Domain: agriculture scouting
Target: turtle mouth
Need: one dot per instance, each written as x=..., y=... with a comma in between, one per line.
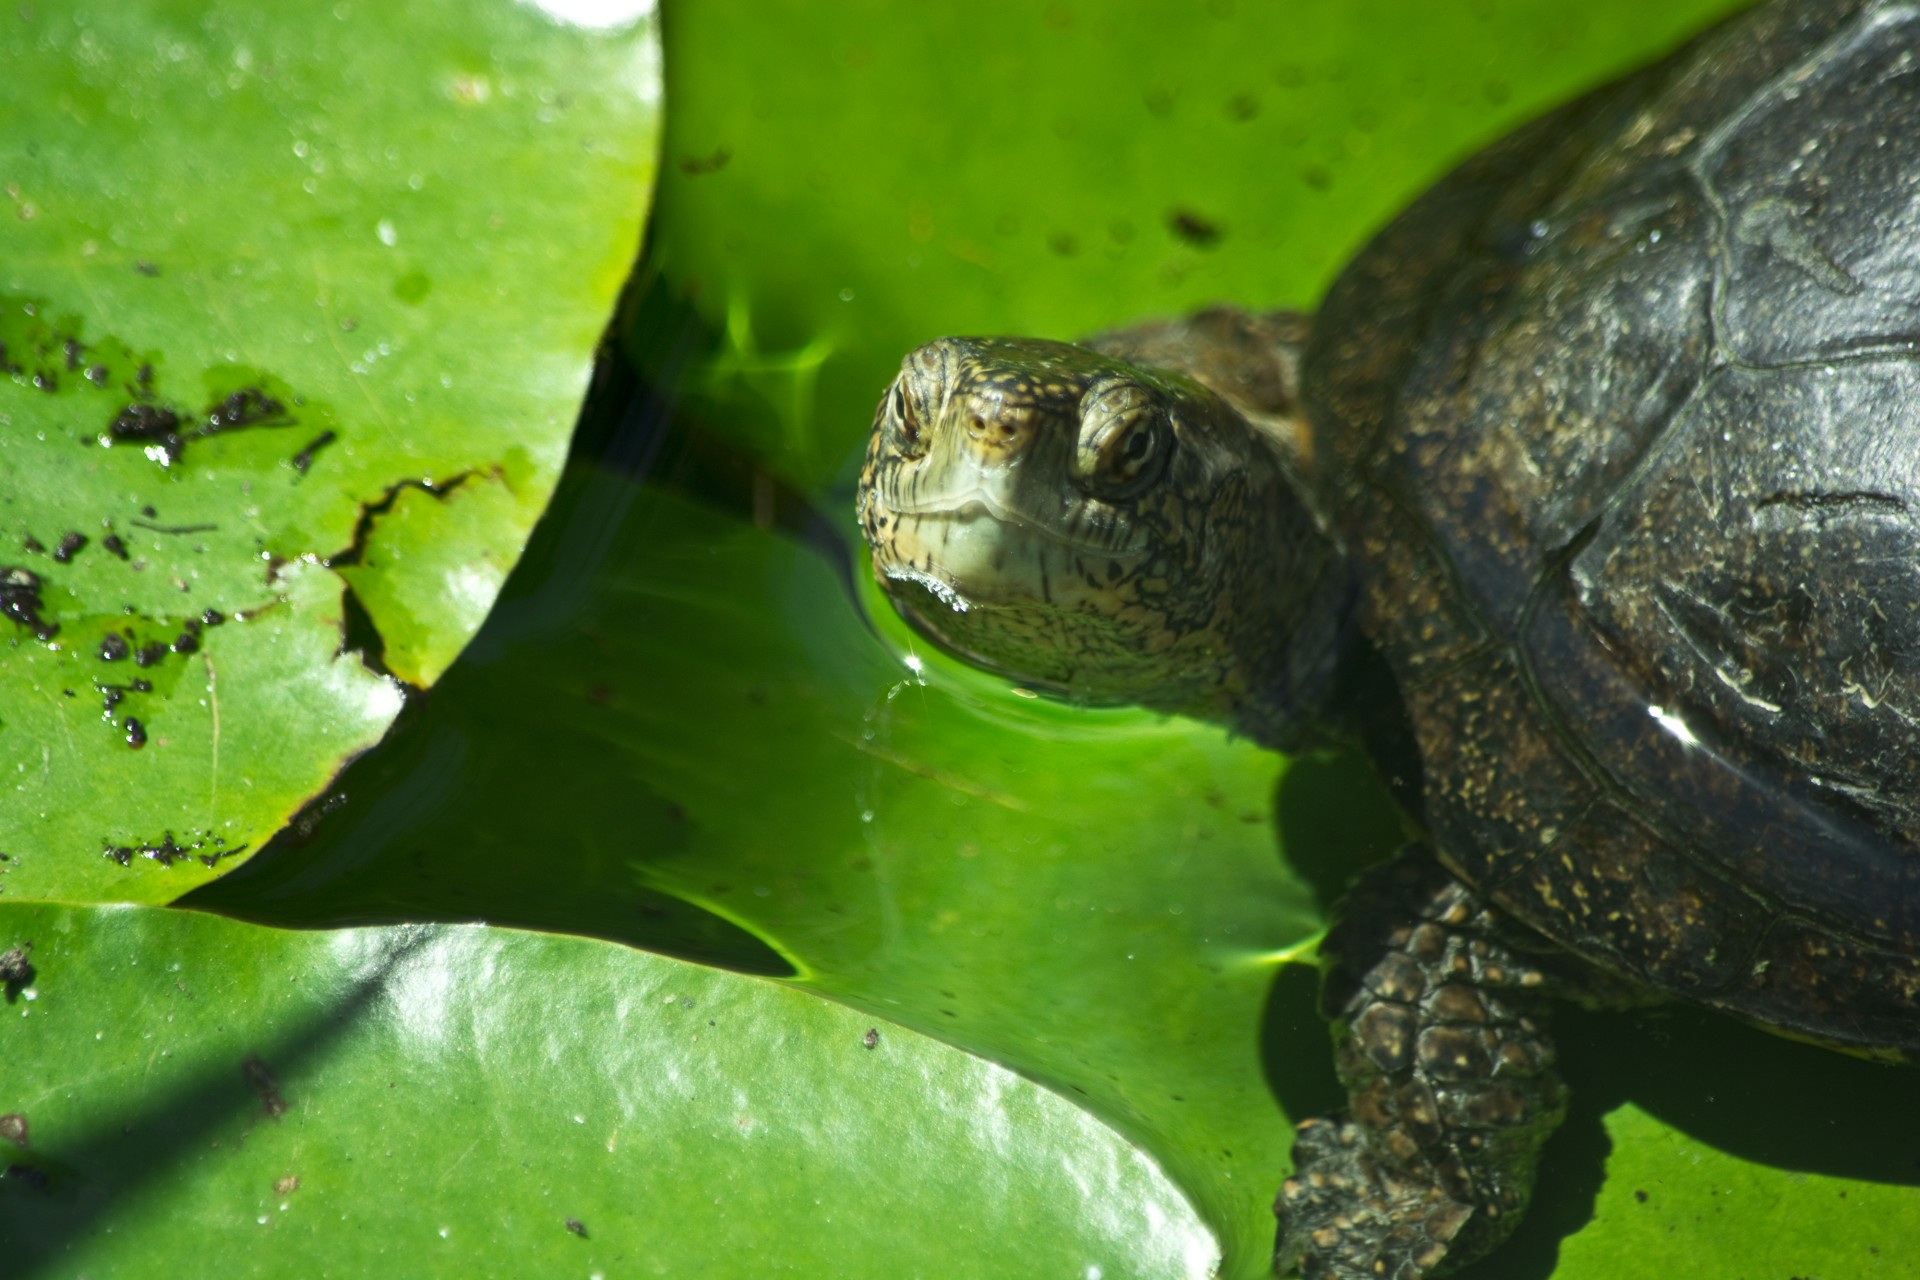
x=971, y=550
x=1080, y=529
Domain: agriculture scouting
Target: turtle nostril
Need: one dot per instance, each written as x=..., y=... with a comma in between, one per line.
x=999, y=430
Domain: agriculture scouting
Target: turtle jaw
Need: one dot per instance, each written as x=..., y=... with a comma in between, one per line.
x=1070, y=646
x=1017, y=597
x=974, y=547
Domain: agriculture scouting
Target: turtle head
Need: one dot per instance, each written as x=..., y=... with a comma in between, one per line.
x=1104, y=531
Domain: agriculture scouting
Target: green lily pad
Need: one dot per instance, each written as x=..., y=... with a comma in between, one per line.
x=469, y=1101
x=879, y=816
x=291, y=297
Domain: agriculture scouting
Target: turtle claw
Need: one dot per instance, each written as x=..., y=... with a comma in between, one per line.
x=1343, y=1214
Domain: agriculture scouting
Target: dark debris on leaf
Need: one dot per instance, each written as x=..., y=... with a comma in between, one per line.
x=260, y=1080
x=302, y=460
x=162, y=432
x=20, y=600
x=155, y=427
x=69, y=547
x=16, y=974
x=247, y=407
x=1196, y=230
x=168, y=851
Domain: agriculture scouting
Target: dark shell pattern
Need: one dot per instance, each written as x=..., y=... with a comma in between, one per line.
x=1622, y=421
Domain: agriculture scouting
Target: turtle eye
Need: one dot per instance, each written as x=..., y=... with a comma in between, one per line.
x=1130, y=454
x=1124, y=440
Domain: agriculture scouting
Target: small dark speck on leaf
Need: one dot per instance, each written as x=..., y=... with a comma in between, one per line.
x=213, y=859
x=213, y=617
x=32, y=546
x=13, y=1127
x=1063, y=243
x=1196, y=230
x=304, y=459
x=872, y=1039
x=20, y=600
x=149, y=512
x=16, y=974
x=695, y=166
x=114, y=647
x=69, y=547
x=578, y=1227
x=136, y=733
x=244, y=408
x=146, y=268
x=148, y=654
x=187, y=641
x=1641, y=1196
x=113, y=544
x=264, y=1086
x=1317, y=176
x=166, y=853
x=1243, y=107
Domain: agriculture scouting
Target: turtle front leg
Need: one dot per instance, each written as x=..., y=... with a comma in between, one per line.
x=1440, y=1039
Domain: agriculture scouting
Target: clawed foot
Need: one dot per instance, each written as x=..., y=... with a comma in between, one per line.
x=1344, y=1215
x=1441, y=1043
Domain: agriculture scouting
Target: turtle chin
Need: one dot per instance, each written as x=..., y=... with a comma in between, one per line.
x=1072, y=649
x=1055, y=616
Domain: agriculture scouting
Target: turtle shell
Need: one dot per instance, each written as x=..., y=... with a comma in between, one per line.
x=1621, y=422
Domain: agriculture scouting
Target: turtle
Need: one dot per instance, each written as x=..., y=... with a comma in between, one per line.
x=1589, y=497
